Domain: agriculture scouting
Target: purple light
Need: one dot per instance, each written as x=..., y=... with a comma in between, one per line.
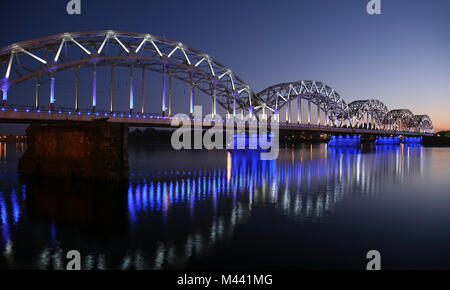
x=52, y=90
x=5, y=94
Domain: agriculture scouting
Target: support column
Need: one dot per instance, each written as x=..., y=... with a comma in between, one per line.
x=234, y=104
x=170, y=94
x=264, y=115
x=191, y=98
x=164, y=91
x=143, y=91
x=104, y=154
x=318, y=115
x=5, y=96
x=214, y=97
x=328, y=118
x=131, y=87
x=111, y=105
x=309, y=112
x=288, y=109
x=299, y=112
x=52, y=90
x=94, y=88
x=77, y=87
x=38, y=88
x=367, y=120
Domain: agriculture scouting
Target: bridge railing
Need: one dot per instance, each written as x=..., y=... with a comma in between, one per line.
x=128, y=114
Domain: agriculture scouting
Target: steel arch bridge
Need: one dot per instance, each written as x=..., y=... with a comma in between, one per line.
x=324, y=97
x=370, y=110
x=40, y=59
x=172, y=59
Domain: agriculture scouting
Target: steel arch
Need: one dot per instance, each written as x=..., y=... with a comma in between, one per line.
x=375, y=108
x=398, y=117
x=423, y=123
x=326, y=98
x=117, y=48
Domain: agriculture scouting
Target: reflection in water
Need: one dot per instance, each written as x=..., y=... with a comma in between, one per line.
x=162, y=217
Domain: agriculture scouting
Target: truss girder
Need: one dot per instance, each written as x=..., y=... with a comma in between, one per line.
x=318, y=93
x=375, y=108
x=69, y=50
x=41, y=57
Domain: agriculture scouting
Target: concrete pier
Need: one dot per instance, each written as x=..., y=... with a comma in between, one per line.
x=92, y=150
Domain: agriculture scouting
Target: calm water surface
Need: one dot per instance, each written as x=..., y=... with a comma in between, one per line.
x=313, y=208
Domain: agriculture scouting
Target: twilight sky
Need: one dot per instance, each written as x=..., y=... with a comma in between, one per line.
x=401, y=57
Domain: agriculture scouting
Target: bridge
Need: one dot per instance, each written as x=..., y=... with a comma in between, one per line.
x=292, y=104
x=39, y=60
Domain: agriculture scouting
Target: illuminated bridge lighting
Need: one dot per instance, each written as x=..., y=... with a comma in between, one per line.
x=387, y=140
x=345, y=141
x=412, y=140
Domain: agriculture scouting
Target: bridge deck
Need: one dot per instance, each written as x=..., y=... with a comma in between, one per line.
x=153, y=120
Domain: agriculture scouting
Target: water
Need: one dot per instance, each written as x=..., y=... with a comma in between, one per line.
x=313, y=208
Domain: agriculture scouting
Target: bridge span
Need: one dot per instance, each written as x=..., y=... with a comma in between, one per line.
x=297, y=107
x=40, y=60
x=49, y=116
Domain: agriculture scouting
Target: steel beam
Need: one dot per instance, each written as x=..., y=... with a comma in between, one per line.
x=77, y=88
x=131, y=87
x=111, y=99
x=38, y=88
x=143, y=91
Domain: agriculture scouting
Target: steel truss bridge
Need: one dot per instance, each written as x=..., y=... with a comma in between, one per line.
x=41, y=59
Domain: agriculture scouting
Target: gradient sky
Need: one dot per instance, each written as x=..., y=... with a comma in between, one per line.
x=401, y=57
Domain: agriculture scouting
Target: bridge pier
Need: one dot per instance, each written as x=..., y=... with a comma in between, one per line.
x=94, y=150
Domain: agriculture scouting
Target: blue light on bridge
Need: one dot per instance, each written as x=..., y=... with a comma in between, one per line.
x=387, y=140
x=412, y=140
x=345, y=141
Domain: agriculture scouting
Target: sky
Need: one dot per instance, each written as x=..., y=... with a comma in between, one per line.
x=400, y=57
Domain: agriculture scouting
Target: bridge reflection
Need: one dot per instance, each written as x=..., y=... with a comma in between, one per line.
x=161, y=219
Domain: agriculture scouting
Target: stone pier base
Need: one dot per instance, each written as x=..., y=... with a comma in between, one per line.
x=94, y=150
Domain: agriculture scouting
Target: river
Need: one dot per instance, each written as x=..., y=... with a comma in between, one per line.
x=315, y=207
